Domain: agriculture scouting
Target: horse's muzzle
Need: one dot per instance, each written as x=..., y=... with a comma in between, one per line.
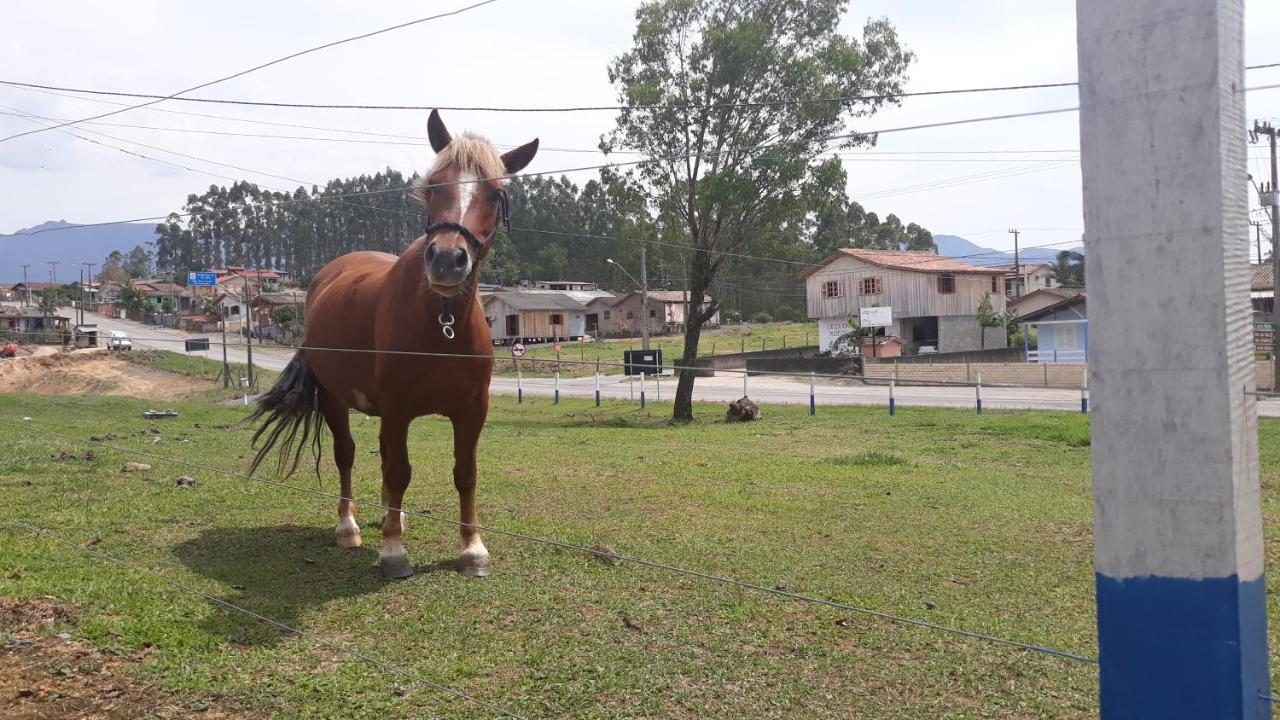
x=448, y=264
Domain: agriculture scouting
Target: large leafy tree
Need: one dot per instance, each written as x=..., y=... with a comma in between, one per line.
x=717, y=94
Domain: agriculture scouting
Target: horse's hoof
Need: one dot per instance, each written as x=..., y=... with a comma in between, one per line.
x=474, y=560
x=347, y=533
x=395, y=567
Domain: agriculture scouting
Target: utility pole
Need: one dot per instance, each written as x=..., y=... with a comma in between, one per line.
x=93, y=296
x=248, y=338
x=1178, y=523
x=1257, y=237
x=53, y=271
x=643, y=284
x=1017, y=265
x=644, y=290
x=1267, y=198
x=26, y=287
x=80, y=308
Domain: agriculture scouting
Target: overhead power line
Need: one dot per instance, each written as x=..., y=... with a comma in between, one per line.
x=572, y=108
x=843, y=99
x=241, y=73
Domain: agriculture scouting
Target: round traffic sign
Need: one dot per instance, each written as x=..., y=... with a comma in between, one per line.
x=558, y=348
x=517, y=349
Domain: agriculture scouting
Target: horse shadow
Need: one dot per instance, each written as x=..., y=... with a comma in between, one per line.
x=281, y=572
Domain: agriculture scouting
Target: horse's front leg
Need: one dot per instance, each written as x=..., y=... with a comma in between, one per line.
x=393, y=442
x=474, y=560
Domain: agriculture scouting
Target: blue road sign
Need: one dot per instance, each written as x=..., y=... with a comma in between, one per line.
x=202, y=278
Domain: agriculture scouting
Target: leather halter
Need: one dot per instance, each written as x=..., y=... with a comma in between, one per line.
x=478, y=248
x=504, y=219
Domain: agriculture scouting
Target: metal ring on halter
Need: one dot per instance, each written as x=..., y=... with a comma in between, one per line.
x=444, y=322
x=448, y=331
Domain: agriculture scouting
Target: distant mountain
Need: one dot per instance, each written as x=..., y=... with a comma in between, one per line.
x=67, y=243
x=954, y=246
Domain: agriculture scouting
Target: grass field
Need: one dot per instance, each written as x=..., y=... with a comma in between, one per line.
x=200, y=367
x=981, y=522
x=720, y=341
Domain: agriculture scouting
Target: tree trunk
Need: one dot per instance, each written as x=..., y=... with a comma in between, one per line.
x=700, y=272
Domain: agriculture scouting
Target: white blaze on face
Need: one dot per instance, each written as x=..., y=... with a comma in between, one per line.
x=466, y=191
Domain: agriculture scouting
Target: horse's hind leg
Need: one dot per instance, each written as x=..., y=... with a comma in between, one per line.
x=344, y=456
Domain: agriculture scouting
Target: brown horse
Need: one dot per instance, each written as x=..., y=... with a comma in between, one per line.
x=375, y=309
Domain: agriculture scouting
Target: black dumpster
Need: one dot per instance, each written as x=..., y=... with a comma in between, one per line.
x=642, y=362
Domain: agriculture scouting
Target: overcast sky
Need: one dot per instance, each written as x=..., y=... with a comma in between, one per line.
x=520, y=53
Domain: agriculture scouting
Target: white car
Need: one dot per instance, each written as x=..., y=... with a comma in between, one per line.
x=119, y=341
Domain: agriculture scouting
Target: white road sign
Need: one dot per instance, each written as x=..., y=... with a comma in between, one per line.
x=875, y=316
x=517, y=349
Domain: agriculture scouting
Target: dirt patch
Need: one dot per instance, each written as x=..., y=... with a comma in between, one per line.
x=44, y=676
x=94, y=373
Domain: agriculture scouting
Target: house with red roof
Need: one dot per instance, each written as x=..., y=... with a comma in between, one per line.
x=933, y=300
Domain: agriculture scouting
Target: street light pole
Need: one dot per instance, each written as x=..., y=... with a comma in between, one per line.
x=644, y=296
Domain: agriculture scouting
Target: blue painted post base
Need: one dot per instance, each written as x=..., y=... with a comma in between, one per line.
x=1084, y=405
x=1177, y=649
x=519, y=395
x=813, y=406
x=642, y=399
x=893, y=407
x=597, y=398
x=557, y=401
x=979, y=406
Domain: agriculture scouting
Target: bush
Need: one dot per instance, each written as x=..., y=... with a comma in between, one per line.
x=786, y=314
x=762, y=317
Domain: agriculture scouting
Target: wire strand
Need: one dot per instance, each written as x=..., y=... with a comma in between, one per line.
x=241, y=73
x=579, y=108
x=588, y=550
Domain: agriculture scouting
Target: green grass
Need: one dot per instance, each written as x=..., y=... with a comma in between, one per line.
x=198, y=366
x=721, y=341
x=981, y=522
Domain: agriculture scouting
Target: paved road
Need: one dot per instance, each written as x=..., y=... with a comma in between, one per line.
x=722, y=388
x=152, y=337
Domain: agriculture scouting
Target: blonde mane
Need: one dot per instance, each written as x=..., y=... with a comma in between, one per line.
x=473, y=154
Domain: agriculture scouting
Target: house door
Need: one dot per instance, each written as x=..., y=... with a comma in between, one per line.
x=513, y=325
x=593, y=322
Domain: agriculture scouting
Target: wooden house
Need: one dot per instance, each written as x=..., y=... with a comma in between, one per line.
x=534, y=316
x=934, y=300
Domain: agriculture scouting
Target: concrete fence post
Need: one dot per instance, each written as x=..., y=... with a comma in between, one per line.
x=1177, y=512
x=977, y=392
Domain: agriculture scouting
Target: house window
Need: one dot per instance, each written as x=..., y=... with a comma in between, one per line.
x=869, y=286
x=946, y=283
x=557, y=319
x=631, y=315
x=831, y=289
x=653, y=313
x=607, y=315
x=995, y=283
x=1067, y=336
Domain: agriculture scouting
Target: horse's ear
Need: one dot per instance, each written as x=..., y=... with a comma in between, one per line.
x=437, y=133
x=515, y=160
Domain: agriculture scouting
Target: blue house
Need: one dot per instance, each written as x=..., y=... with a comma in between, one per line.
x=1062, y=332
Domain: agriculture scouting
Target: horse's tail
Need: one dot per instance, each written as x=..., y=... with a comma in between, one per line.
x=290, y=406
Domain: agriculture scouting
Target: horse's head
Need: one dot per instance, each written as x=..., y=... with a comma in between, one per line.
x=465, y=198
